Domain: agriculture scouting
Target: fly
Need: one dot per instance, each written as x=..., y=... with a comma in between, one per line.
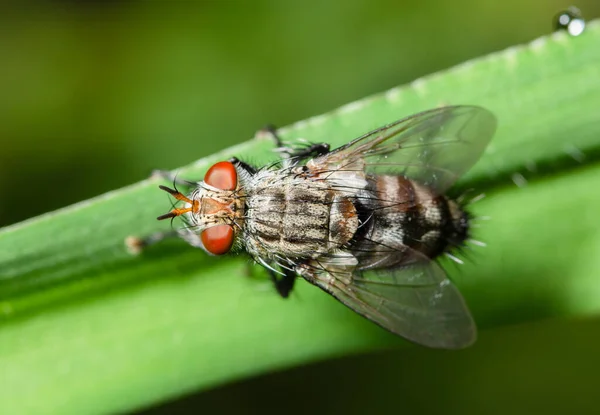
x=364, y=222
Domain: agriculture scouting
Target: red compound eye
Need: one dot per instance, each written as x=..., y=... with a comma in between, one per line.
x=222, y=176
x=218, y=239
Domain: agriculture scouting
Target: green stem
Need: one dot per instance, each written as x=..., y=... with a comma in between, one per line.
x=87, y=328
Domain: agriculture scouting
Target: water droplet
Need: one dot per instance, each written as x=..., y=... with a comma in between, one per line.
x=570, y=20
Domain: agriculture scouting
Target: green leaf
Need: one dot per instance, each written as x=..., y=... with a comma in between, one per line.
x=87, y=328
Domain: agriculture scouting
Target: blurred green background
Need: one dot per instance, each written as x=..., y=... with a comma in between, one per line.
x=95, y=95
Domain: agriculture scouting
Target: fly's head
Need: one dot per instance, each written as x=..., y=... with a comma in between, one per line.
x=214, y=210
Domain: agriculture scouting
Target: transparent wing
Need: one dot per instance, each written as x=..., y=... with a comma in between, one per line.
x=417, y=302
x=434, y=147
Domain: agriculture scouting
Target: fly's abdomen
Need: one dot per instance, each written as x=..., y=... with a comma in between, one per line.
x=408, y=214
x=299, y=219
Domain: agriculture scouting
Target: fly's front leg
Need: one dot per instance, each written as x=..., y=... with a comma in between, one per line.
x=136, y=245
x=167, y=175
x=283, y=283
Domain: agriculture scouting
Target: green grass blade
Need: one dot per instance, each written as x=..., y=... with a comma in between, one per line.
x=87, y=328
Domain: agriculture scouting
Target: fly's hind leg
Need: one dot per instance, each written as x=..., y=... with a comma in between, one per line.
x=283, y=283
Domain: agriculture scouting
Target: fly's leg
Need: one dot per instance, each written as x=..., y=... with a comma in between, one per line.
x=283, y=283
x=167, y=175
x=314, y=150
x=297, y=154
x=271, y=130
x=242, y=165
x=136, y=245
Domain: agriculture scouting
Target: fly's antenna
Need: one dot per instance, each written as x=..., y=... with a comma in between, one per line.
x=194, y=204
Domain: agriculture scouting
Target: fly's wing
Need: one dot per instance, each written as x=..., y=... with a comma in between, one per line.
x=417, y=301
x=434, y=147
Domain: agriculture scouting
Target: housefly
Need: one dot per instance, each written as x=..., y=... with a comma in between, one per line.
x=363, y=222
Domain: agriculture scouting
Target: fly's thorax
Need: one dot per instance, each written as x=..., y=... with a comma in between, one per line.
x=297, y=217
